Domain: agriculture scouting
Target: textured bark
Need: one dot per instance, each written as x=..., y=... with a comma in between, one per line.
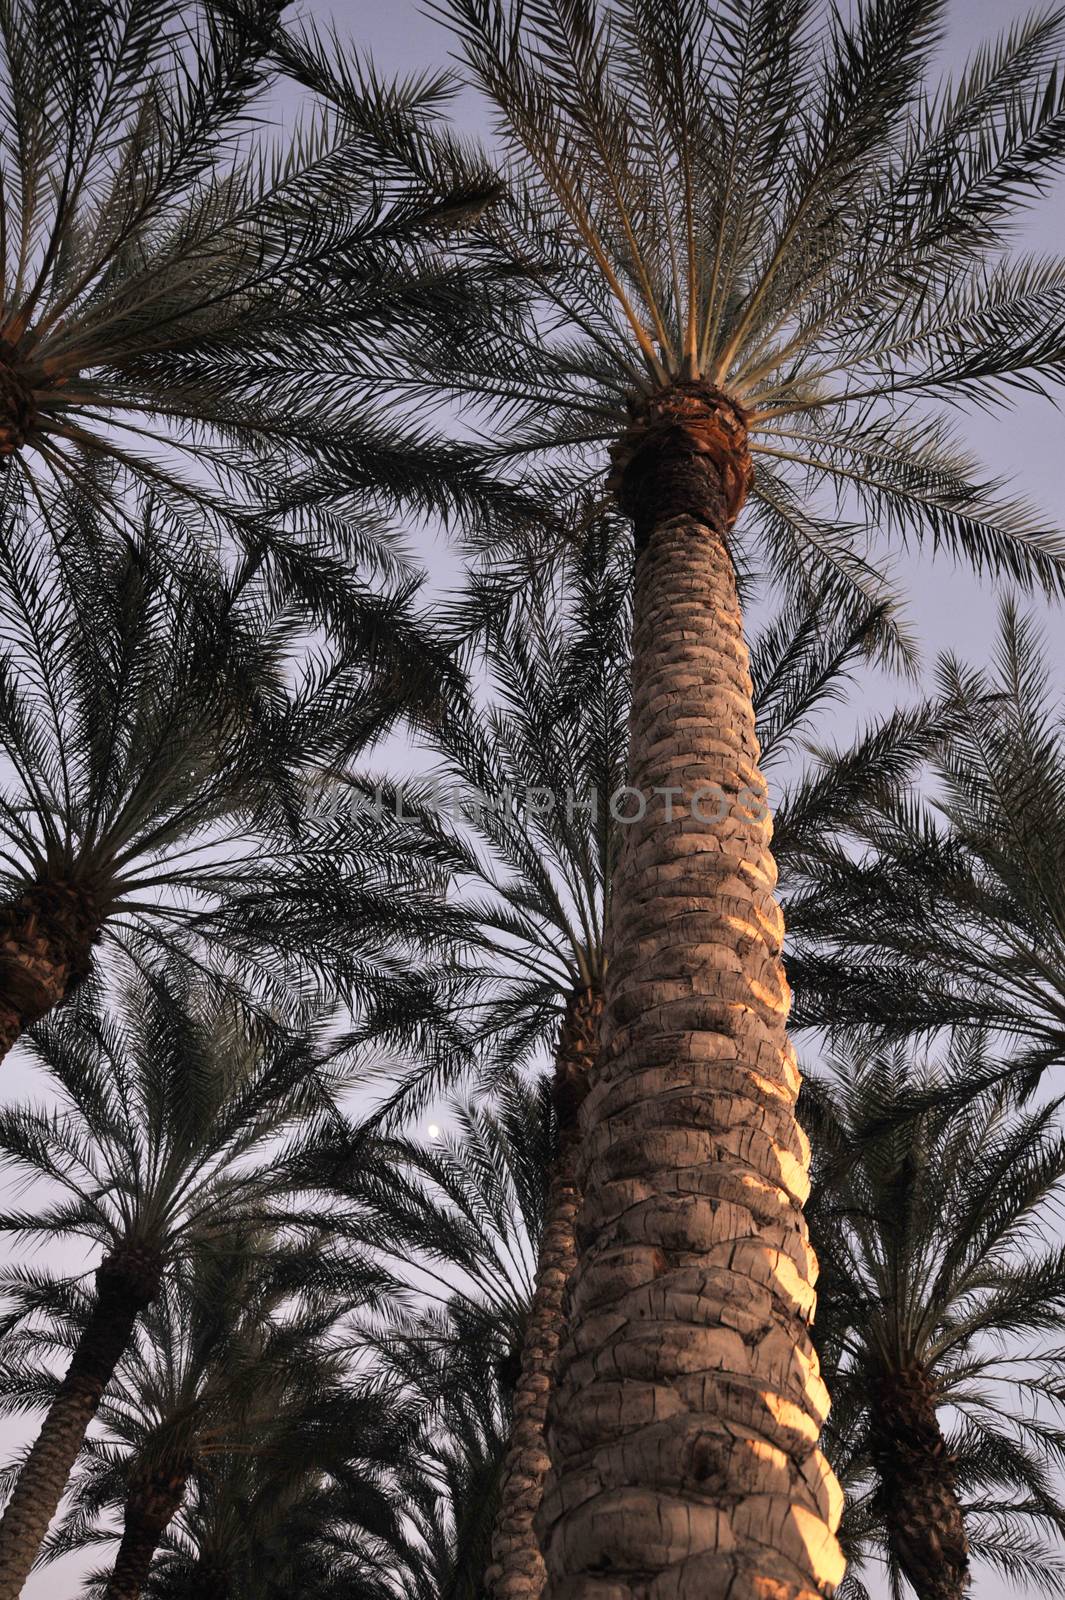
x=125, y=1284
x=517, y=1569
x=18, y=410
x=917, y=1494
x=47, y=934
x=683, y=454
x=683, y=1430
x=151, y=1505
x=212, y=1580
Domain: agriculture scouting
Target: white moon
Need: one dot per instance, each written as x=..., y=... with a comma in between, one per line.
x=434, y=1131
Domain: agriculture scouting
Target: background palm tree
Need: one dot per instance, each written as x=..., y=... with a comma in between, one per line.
x=458, y=1362
x=237, y=1362
x=162, y=749
x=245, y=1541
x=470, y=1213
x=759, y=247
x=967, y=862
x=166, y=1133
x=181, y=300
x=456, y=1226
x=936, y=1239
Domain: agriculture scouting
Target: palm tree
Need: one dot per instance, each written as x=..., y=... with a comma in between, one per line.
x=457, y=1362
x=167, y=1133
x=761, y=252
x=935, y=1234
x=465, y=1223
x=522, y=813
x=182, y=303
x=237, y=1362
x=970, y=873
x=478, y=1219
x=159, y=739
x=244, y=1541
x=525, y=808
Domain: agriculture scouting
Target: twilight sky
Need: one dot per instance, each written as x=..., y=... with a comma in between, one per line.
x=948, y=606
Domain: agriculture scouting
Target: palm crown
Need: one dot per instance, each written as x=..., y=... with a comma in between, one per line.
x=234, y=1367
x=934, y=1245
x=175, y=293
x=159, y=740
x=168, y=1123
x=767, y=201
x=967, y=867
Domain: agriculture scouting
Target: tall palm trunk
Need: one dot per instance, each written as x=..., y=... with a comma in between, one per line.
x=46, y=938
x=684, y=1425
x=517, y=1569
x=151, y=1506
x=18, y=410
x=125, y=1283
x=917, y=1493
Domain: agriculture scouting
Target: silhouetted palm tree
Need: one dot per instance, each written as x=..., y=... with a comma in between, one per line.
x=182, y=301
x=936, y=1239
x=171, y=1126
x=237, y=1363
x=159, y=742
x=467, y=1215
x=967, y=870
